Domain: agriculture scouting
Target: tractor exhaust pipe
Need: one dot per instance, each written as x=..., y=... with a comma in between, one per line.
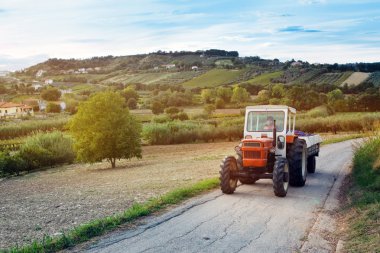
x=274, y=133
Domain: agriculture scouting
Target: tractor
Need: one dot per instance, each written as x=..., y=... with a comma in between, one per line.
x=271, y=149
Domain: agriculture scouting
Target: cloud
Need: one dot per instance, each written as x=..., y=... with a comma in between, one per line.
x=88, y=41
x=298, y=29
x=10, y=63
x=309, y=2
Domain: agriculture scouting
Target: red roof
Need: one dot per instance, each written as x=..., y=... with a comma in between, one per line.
x=11, y=104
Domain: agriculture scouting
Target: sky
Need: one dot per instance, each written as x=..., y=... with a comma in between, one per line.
x=318, y=31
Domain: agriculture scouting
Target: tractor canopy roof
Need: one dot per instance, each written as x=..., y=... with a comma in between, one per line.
x=271, y=107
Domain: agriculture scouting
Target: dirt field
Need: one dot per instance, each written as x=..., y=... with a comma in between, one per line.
x=49, y=202
x=356, y=78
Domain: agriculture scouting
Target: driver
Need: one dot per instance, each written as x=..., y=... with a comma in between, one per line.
x=269, y=124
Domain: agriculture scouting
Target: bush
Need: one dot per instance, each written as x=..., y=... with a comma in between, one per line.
x=182, y=116
x=157, y=108
x=132, y=103
x=47, y=149
x=161, y=119
x=51, y=94
x=172, y=110
x=219, y=103
x=53, y=108
x=11, y=164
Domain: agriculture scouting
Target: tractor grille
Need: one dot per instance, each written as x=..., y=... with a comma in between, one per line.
x=252, y=144
x=252, y=154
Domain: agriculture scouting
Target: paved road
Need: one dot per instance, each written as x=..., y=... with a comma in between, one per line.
x=250, y=220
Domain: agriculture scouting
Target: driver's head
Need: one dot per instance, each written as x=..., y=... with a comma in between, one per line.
x=270, y=121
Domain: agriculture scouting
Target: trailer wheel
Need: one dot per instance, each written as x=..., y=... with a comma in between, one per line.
x=280, y=177
x=297, y=157
x=227, y=182
x=311, y=164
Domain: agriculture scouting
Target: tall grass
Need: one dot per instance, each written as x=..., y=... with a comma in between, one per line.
x=12, y=130
x=187, y=132
x=364, y=214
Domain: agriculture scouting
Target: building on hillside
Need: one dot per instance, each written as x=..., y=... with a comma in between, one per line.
x=37, y=86
x=169, y=66
x=297, y=64
x=195, y=68
x=40, y=73
x=49, y=81
x=66, y=91
x=13, y=110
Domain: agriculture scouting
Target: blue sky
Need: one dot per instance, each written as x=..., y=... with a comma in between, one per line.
x=313, y=30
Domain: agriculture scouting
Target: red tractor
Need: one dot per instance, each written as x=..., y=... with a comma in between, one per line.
x=270, y=149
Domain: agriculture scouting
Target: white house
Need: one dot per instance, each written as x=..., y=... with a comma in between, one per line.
x=66, y=91
x=37, y=86
x=195, y=68
x=13, y=110
x=49, y=81
x=40, y=73
x=296, y=64
x=169, y=66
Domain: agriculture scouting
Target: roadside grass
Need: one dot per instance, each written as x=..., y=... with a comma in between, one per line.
x=364, y=213
x=99, y=227
x=340, y=138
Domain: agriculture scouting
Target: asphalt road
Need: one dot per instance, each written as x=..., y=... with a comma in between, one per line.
x=250, y=220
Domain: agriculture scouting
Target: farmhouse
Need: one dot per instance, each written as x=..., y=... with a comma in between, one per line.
x=13, y=110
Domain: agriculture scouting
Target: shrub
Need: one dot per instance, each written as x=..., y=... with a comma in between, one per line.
x=209, y=109
x=51, y=94
x=11, y=164
x=219, y=103
x=47, y=149
x=53, y=108
x=172, y=110
x=132, y=103
x=161, y=119
x=157, y=107
x=182, y=116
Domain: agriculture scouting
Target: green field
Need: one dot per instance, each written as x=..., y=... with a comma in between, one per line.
x=154, y=77
x=214, y=78
x=265, y=79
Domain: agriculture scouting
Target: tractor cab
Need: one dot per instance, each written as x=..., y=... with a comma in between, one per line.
x=271, y=125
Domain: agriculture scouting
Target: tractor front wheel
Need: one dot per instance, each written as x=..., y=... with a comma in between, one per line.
x=227, y=182
x=280, y=177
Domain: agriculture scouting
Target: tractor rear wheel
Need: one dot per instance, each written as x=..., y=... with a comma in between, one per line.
x=311, y=164
x=280, y=177
x=297, y=157
x=227, y=182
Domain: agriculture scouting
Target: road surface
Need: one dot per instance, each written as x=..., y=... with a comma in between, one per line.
x=250, y=220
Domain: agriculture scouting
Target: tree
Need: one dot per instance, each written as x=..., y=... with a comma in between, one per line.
x=130, y=92
x=278, y=91
x=224, y=93
x=239, y=95
x=207, y=95
x=54, y=108
x=157, y=107
x=3, y=89
x=104, y=129
x=132, y=103
x=51, y=94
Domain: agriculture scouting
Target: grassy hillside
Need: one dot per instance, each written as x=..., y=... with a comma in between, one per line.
x=154, y=77
x=214, y=77
x=265, y=79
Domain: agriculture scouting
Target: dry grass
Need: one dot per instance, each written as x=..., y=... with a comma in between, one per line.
x=356, y=78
